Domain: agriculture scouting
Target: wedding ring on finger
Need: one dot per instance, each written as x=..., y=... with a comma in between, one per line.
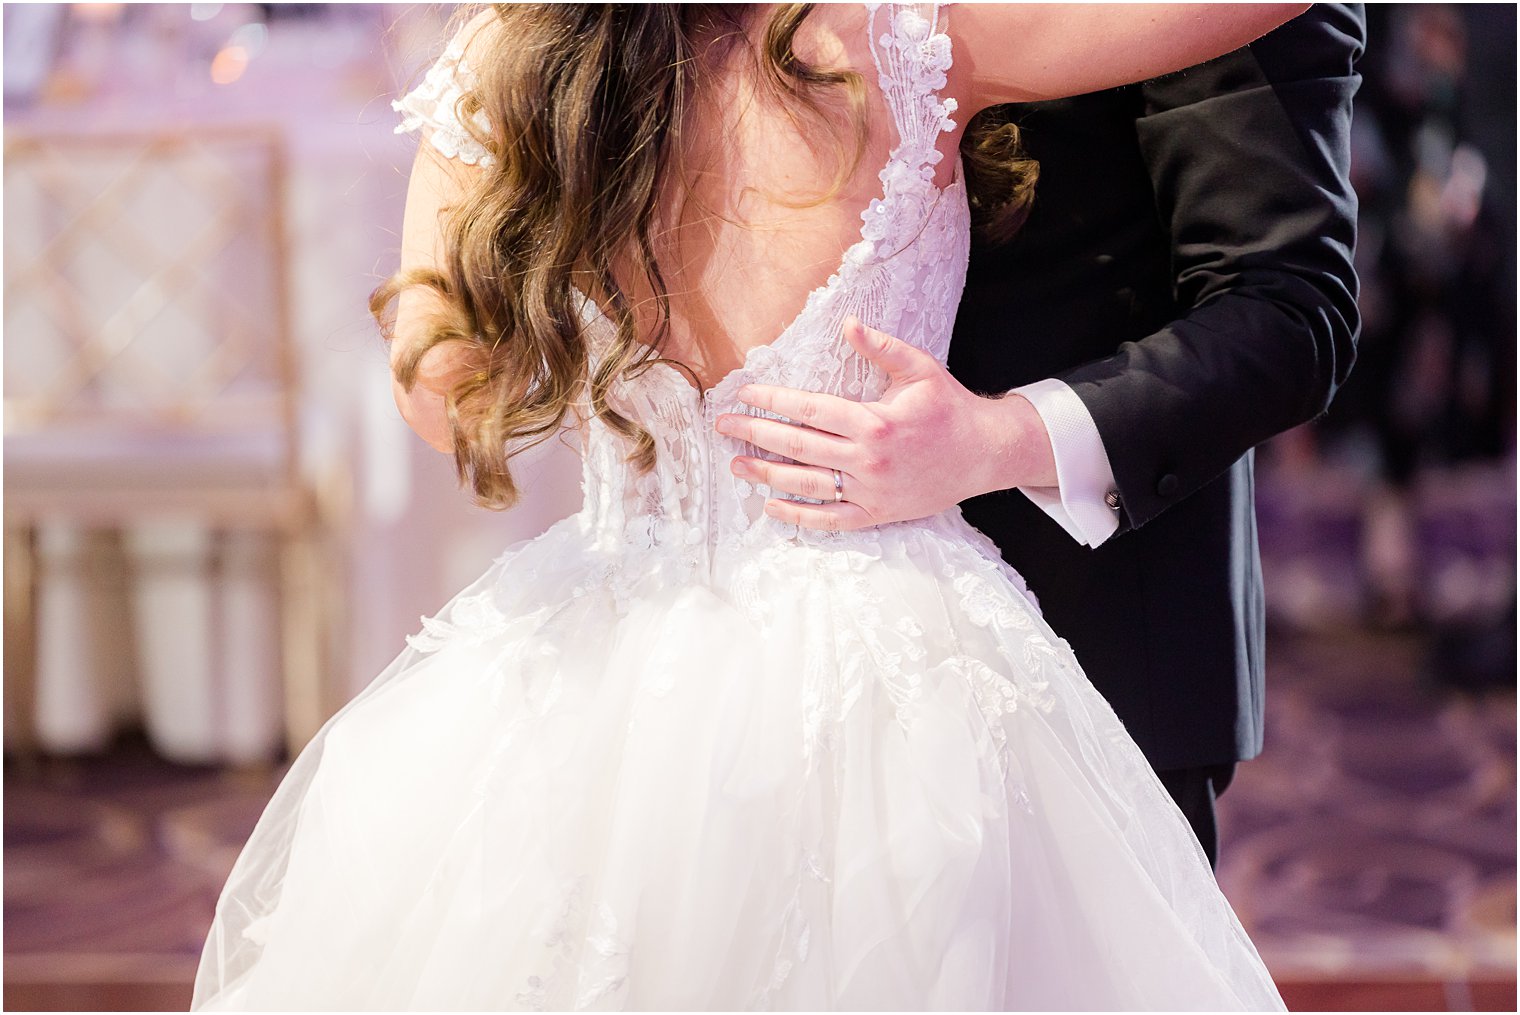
x=838, y=486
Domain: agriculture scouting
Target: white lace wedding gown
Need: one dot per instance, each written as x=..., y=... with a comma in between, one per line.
x=674, y=754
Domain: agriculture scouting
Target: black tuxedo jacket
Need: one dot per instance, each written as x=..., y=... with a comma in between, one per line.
x=1186, y=269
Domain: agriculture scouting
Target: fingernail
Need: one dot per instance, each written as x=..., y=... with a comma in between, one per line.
x=721, y=424
x=743, y=394
x=743, y=468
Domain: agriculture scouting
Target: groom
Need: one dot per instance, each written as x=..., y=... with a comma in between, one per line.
x=1182, y=291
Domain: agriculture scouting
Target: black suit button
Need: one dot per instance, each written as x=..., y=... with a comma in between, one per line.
x=1167, y=486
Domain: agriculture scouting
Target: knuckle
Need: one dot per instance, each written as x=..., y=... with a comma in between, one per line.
x=795, y=445
x=878, y=431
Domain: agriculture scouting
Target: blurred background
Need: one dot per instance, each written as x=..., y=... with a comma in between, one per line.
x=217, y=528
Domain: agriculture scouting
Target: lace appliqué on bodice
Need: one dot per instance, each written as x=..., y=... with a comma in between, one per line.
x=903, y=276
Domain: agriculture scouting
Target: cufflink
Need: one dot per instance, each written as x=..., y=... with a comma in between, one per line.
x=1111, y=498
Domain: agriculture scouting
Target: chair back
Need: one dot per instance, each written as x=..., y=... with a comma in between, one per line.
x=145, y=300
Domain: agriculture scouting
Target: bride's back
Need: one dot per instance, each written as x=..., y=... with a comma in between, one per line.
x=766, y=196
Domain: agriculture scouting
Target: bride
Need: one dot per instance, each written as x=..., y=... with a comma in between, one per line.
x=675, y=753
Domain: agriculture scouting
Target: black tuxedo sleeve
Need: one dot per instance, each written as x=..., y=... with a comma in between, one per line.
x=1249, y=160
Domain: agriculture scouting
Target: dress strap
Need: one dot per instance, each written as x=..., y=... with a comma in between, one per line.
x=435, y=103
x=912, y=55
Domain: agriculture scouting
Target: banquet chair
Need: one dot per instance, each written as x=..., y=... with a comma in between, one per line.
x=151, y=374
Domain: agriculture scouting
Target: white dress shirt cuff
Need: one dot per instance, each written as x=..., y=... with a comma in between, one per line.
x=1079, y=502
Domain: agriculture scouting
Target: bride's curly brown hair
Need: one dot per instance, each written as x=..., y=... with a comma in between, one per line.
x=585, y=104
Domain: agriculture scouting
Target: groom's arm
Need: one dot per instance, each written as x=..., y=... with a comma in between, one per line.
x=1249, y=160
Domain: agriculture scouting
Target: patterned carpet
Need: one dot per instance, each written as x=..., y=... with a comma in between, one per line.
x=1376, y=833
x=112, y=867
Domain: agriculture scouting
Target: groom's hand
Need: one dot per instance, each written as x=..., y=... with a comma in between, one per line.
x=925, y=446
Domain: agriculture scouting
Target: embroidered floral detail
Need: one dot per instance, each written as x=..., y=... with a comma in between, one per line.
x=556, y=935
x=812, y=863
x=1032, y=656
x=435, y=104
x=796, y=935
x=983, y=603
x=470, y=620
x=606, y=973
x=532, y=997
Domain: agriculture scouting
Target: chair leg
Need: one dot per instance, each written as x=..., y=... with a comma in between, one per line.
x=21, y=642
x=303, y=621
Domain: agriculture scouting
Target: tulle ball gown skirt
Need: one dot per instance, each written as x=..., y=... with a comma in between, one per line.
x=859, y=774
